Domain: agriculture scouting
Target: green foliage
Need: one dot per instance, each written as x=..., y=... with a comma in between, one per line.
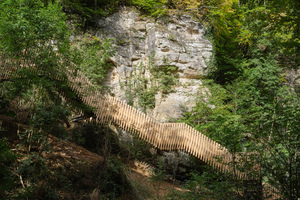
x=282, y=141
x=7, y=159
x=38, y=179
x=144, y=87
x=158, y=175
x=252, y=30
x=114, y=182
x=89, y=11
x=254, y=42
x=155, y=8
x=165, y=75
x=34, y=35
x=92, y=56
x=44, y=111
x=255, y=114
x=207, y=185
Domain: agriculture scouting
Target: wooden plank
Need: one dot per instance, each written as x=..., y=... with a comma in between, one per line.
x=177, y=131
x=137, y=117
x=214, y=154
x=107, y=99
x=120, y=111
x=218, y=155
x=139, y=123
x=179, y=137
x=170, y=136
x=130, y=119
x=149, y=135
x=205, y=149
x=150, y=131
x=145, y=126
x=98, y=112
x=105, y=109
x=110, y=104
x=189, y=139
x=122, y=115
x=133, y=120
x=176, y=135
x=201, y=140
x=157, y=134
x=115, y=112
x=185, y=139
x=209, y=151
x=201, y=144
x=190, y=145
x=159, y=142
x=173, y=136
x=142, y=126
x=153, y=131
x=193, y=141
x=197, y=144
x=210, y=156
x=170, y=126
x=112, y=113
x=127, y=117
x=182, y=137
x=158, y=138
x=102, y=110
x=163, y=137
x=166, y=139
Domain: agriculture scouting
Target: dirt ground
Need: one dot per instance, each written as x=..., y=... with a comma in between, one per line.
x=138, y=173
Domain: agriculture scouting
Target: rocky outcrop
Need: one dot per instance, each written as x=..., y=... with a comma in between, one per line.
x=179, y=41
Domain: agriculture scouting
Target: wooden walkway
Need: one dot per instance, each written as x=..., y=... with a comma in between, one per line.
x=165, y=136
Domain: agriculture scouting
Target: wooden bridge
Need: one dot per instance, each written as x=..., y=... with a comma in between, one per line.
x=164, y=136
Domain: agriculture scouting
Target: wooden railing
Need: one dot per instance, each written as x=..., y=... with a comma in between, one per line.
x=165, y=136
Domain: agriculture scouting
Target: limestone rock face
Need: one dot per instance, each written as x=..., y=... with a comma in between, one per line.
x=292, y=77
x=179, y=40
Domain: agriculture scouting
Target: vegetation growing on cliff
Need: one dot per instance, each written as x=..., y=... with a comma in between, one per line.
x=146, y=81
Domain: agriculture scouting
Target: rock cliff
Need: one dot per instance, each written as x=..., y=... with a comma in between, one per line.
x=179, y=41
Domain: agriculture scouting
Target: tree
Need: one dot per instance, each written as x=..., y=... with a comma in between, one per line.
x=34, y=35
x=35, y=50
x=253, y=110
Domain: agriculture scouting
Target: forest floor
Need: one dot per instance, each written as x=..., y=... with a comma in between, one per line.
x=139, y=174
x=77, y=173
